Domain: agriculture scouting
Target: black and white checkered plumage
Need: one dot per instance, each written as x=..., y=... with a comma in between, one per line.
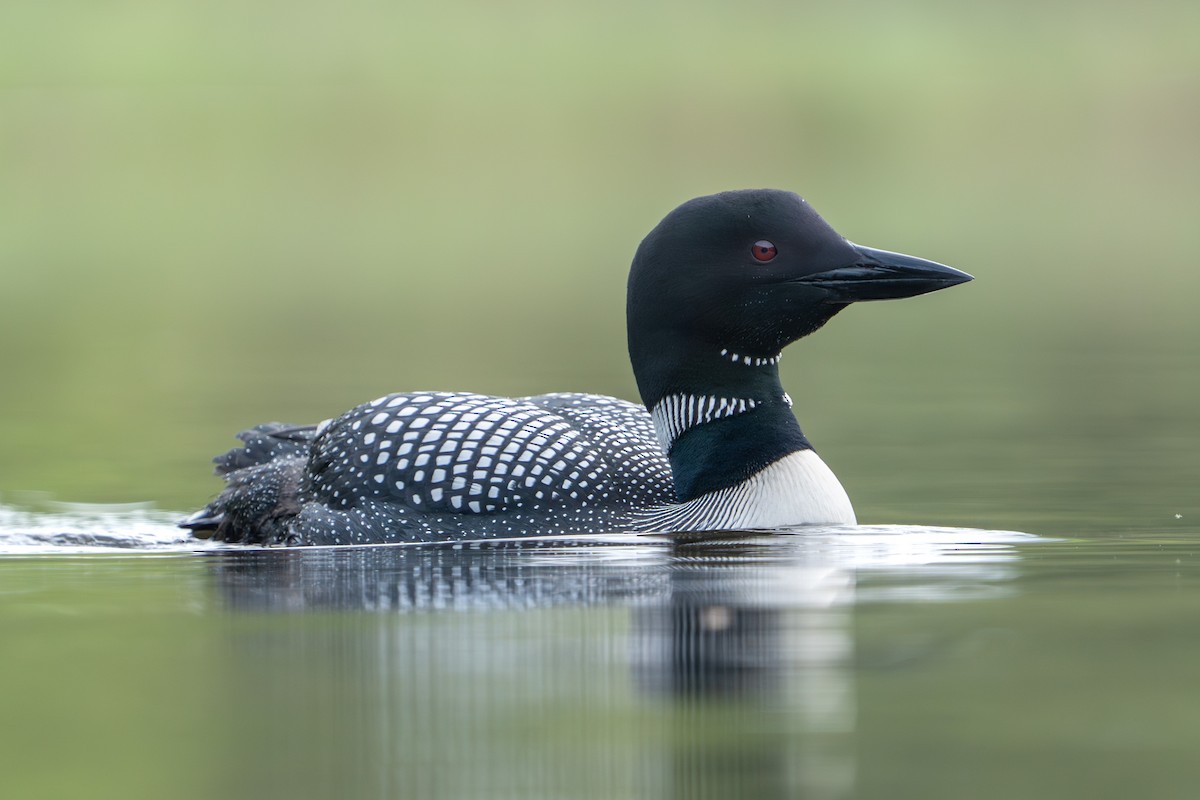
x=429, y=466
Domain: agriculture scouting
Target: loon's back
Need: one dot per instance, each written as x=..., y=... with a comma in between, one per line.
x=431, y=466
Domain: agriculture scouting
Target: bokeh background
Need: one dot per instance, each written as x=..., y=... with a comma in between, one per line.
x=218, y=213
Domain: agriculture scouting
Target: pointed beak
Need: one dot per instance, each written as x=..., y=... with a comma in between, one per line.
x=882, y=275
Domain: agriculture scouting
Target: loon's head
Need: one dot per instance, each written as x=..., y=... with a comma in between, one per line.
x=724, y=282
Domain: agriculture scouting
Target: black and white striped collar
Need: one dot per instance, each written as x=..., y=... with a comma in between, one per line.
x=677, y=413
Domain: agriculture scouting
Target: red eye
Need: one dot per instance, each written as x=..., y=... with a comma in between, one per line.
x=763, y=250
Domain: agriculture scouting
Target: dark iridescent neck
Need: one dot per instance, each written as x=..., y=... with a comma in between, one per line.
x=721, y=415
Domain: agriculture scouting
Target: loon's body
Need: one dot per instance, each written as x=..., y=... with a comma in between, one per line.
x=716, y=291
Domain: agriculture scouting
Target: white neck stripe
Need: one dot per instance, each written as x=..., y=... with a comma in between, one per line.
x=677, y=413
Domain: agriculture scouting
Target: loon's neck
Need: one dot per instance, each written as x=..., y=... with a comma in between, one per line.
x=721, y=417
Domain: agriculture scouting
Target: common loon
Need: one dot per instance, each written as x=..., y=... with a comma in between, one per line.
x=715, y=292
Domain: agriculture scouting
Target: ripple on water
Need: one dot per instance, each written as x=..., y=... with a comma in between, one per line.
x=55, y=526
x=68, y=528
x=905, y=562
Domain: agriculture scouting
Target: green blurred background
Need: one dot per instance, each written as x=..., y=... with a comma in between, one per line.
x=218, y=213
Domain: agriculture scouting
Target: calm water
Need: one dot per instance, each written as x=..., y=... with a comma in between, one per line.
x=881, y=661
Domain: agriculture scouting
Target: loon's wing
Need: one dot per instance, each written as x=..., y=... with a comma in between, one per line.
x=457, y=453
x=420, y=466
x=638, y=470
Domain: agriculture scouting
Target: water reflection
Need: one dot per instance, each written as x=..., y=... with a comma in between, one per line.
x=698, y=669
x=766, y=648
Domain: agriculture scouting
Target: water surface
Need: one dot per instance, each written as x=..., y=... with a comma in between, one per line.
x=879, y=661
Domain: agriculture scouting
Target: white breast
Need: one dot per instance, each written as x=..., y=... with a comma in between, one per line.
x=798, y=489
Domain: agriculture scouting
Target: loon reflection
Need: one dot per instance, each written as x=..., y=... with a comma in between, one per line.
x=700, y=666
x=766, y=569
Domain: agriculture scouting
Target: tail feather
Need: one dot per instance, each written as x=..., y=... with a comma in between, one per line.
x=207, y=520
x=265, y=443
x=262, y=482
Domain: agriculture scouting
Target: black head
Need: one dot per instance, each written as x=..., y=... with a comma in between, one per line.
x=746, y=273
